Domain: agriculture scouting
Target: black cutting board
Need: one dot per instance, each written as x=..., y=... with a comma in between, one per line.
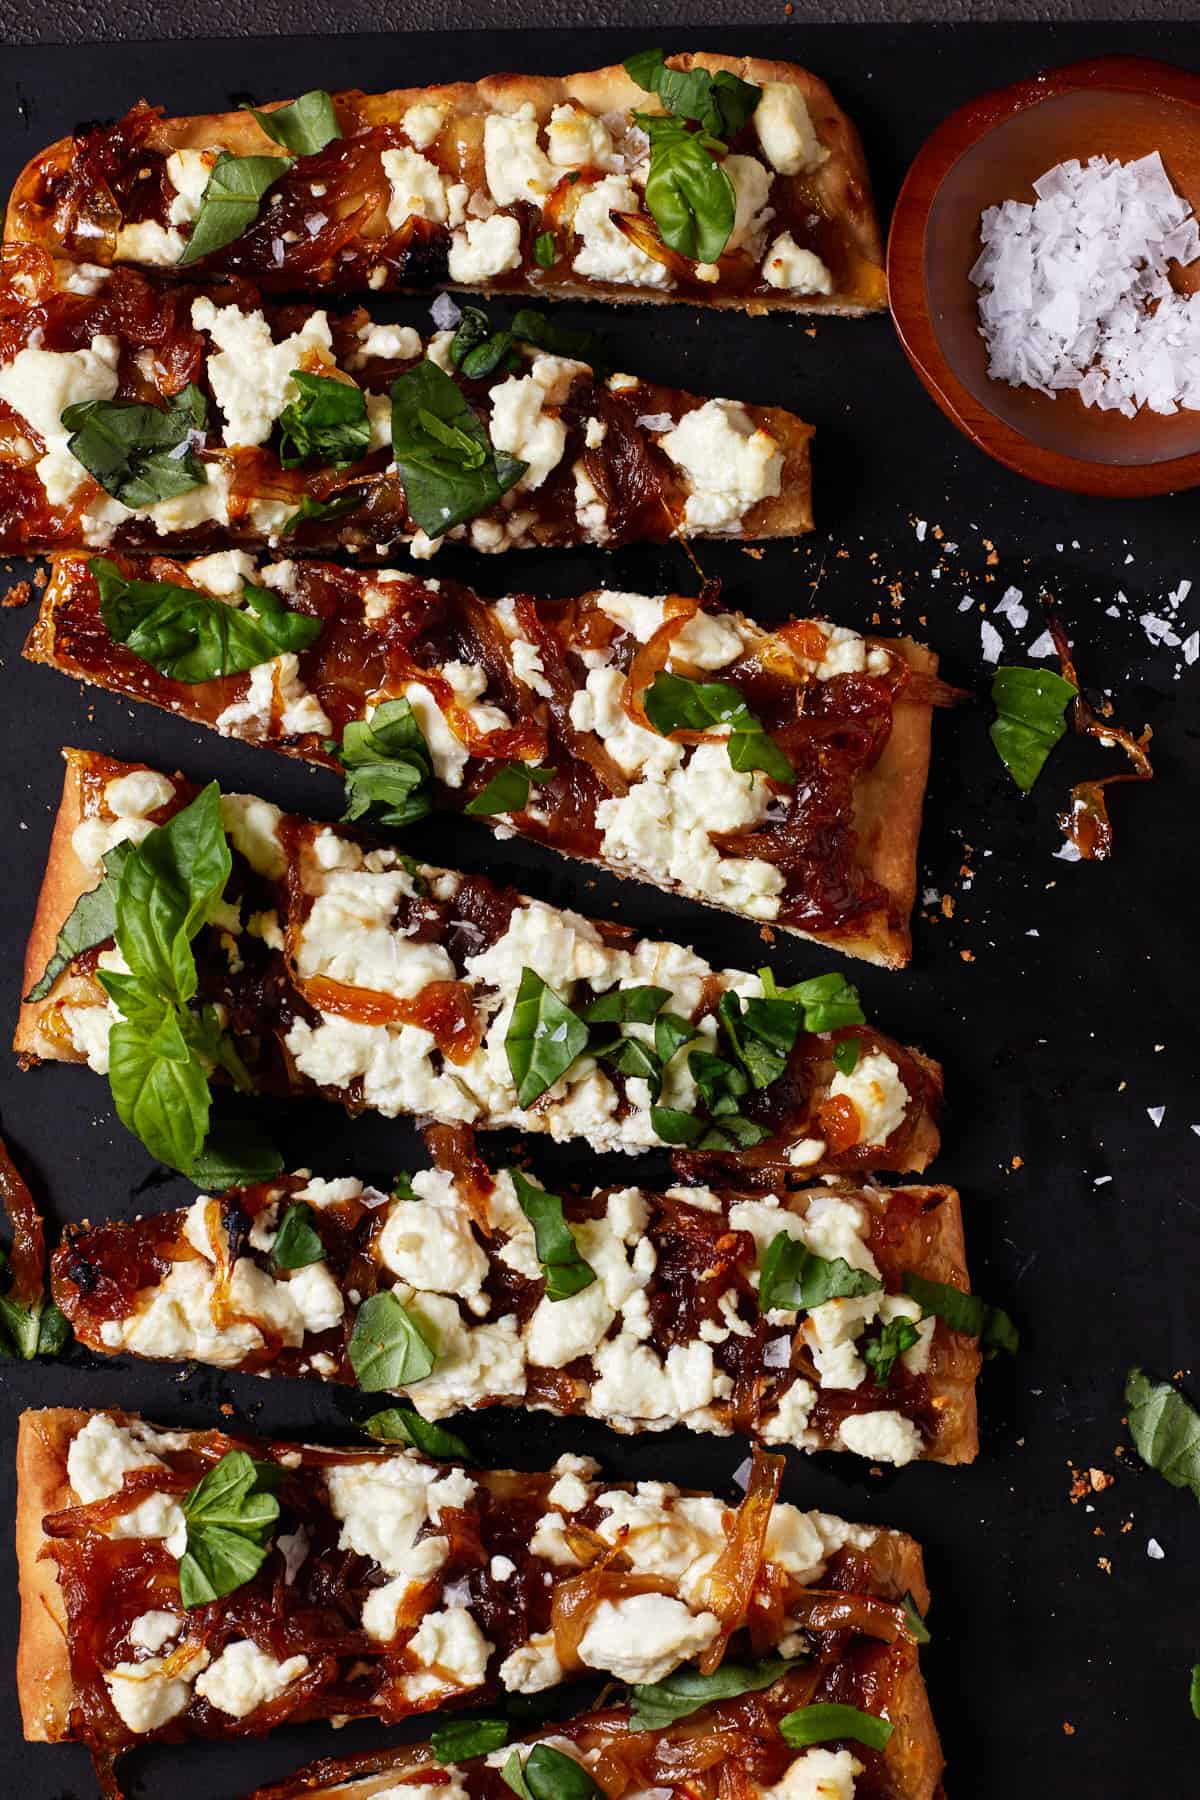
x=1060, y=998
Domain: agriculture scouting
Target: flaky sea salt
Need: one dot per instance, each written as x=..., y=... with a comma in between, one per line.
x=444, y=313
x=990, y=642
x=1074, y=290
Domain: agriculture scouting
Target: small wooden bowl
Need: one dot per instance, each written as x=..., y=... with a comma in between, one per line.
x=993, y=150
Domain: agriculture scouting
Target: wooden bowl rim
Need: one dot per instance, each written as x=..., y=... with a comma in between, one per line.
x=952, y=139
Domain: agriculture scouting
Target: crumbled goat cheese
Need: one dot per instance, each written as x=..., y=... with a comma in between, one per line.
x=785, y=129
x=730, y=464
x=482, y=248
x=786, y=265
x=516, y=168
x=250, y=374
x=39, y=384
x=605, y=253
x=243, y=1678
x=418, y=191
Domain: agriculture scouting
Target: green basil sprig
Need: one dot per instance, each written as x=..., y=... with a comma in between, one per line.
x=1029, y=719
x=297, y=1242
x=404, y=1425
x=231, y=1515
x=310, y=510
x=443, y=454
x=549, y=1775
x=139, y=454
x=192, y=637
x=658, y=1704
x=92, y=922
x=464, y=1739
x=236, y=1153
x=964, y=1312
x=720, y=103
x=508, y=790
x=795, y=1279
x=545, y=250
x=565, y=1269
x=304, y=126
x=326, y=424
x=881, y=1353
x=388, y=1348
x=31, y=1328
x=1165, y=1428
x=690, y=196
x=230, y=201
x=827, y=1721
x=846, y=1053
x=387, y=765
x=544, y=1038
x=826, y=1002
x=675, y=703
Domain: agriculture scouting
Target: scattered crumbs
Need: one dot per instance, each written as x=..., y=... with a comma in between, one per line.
x=1156, y=1115
x=947, y=906
x=1104, y=1565
x=1018, y=1162
x=967, y=955
x=966, y=603
x=755, y=551
x=1068, y=1728
x=930, y=897
x=18, y=595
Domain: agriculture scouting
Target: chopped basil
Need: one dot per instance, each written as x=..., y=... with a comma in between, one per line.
x=508, y=790
x=387, y=766
x=192, y=637
x=92, y=921
x=231, y=1516
x=230, y=202
x=549, y=1775
x=881, y=1353
x=140, y=454
x=387, y=1348
x=1029, y=719
x=545, y=333
x=720, y=103
x=304, y=126
x=544, y=1037
x=699, y=1133
x=328, y=424
x=723, y=1086
x=565, y=1270
x=545, y=250
x=236, y=1153
x=473, y=330
x=478, y=350
x=297, y=1242
x=689, y=194
x=917, y=1628
x=623, y=1006
x=1165, y=1428
x=964, y=1312
x=404, y=1425
x=402, y=1186
x=671, y=1033
x=446, y=462
x=675, y=703
x=762, y=1033
x=660, y=1703
x=795, y=1279
x=465, y=1739
x=347, y=500
x=36, y=1328
x=827, y=1721
x=630, y=1057
x=846, y=1054
x=827, y=1001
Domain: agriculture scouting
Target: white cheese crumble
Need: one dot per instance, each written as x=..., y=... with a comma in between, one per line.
x=144, y=1697
x=423, y=122
x=516, y=168
x=817, y=1774
x=251, y=375
x=643, y=1637
x=877, y=1093
x=605, y=253
x=243, y=1678
x=482, y=248
x=785, y=129
x=99, y=1458
x=39, y=384
x=787, y=265
x=418, y=190
x=730, y=464
x=521, y=425
x=578, y=139
x=451, y=1643
x=881, y=1437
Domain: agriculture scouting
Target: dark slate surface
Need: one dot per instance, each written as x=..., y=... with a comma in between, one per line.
x=1061, y=999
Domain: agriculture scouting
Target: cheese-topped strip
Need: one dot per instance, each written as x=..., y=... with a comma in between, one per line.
x=341, y=967
x=366, y=1582
x=776, y=773
x=673, y=1310
x=130, y=416
x=525, y=184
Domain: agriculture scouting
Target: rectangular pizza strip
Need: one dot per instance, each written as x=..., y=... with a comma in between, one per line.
x=133, y=416
x=377, y=1583
x=818, y=834
x=531, y=185
x=663, y=1320
x=348, y=970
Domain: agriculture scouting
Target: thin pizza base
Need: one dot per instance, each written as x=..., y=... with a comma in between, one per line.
x=844, y=177
x=44, y=1686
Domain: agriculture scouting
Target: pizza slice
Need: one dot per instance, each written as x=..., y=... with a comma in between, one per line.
x=180, y=1584
x=298, y=957
x=793, y=1319
x=776, y=773
x=130, y=416
x=721, y=181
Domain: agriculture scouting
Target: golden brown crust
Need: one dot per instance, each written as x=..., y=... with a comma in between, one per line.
x=936, y=1248
x=65, y=879
x=842, y=181
x=44, y=1685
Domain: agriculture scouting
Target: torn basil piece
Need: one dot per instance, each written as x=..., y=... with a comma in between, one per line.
x=1029, y=721
x=190, y=636
x=795, y=1279
x=443, y=454
x=544, y=1038
x=230, y=202
x=140, y=454
x=565, y=1269
x=303, y=126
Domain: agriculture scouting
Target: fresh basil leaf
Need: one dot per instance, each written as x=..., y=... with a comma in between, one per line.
x=846, y=1053
x=688, y=193
x=827, y=1721
x=446, y=462
x=1165, y=1428
x=734, y=1132
x=92, y=921
x=36, y=1329
x=159, y=1088
x=297, y=1242
x=465, y=1739
x=402, y=1186
x=881, y=1353
x=192, y=637
x=404, y=1425
x=722, y=1084
x=721, y=104
x=230, y=1517
x=565, y=1270
x=1194, y=1691
x=795, y=1279
x=487, y=357
x=236, y=1153
x=686, y=1690
x=828, y=1001
x=676, y=703
x=627, y=1006
x=552, y=335
x=387, y=1348
x=964, y=1312
x=671, y=1033
x=388, y=769
x=545, y=250
x=544, y=1038
x=139, y=453
x=674, y=1126
x=549, y=1775
x=762, y=1033
x=473, y=328
x=917, y=1628
x=630, y=1057
x=230, y=202
x=169, y=884
x=327, y=424
x=508, y=790
x=1029, y=721
x=304, y=126
x=346, y=500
